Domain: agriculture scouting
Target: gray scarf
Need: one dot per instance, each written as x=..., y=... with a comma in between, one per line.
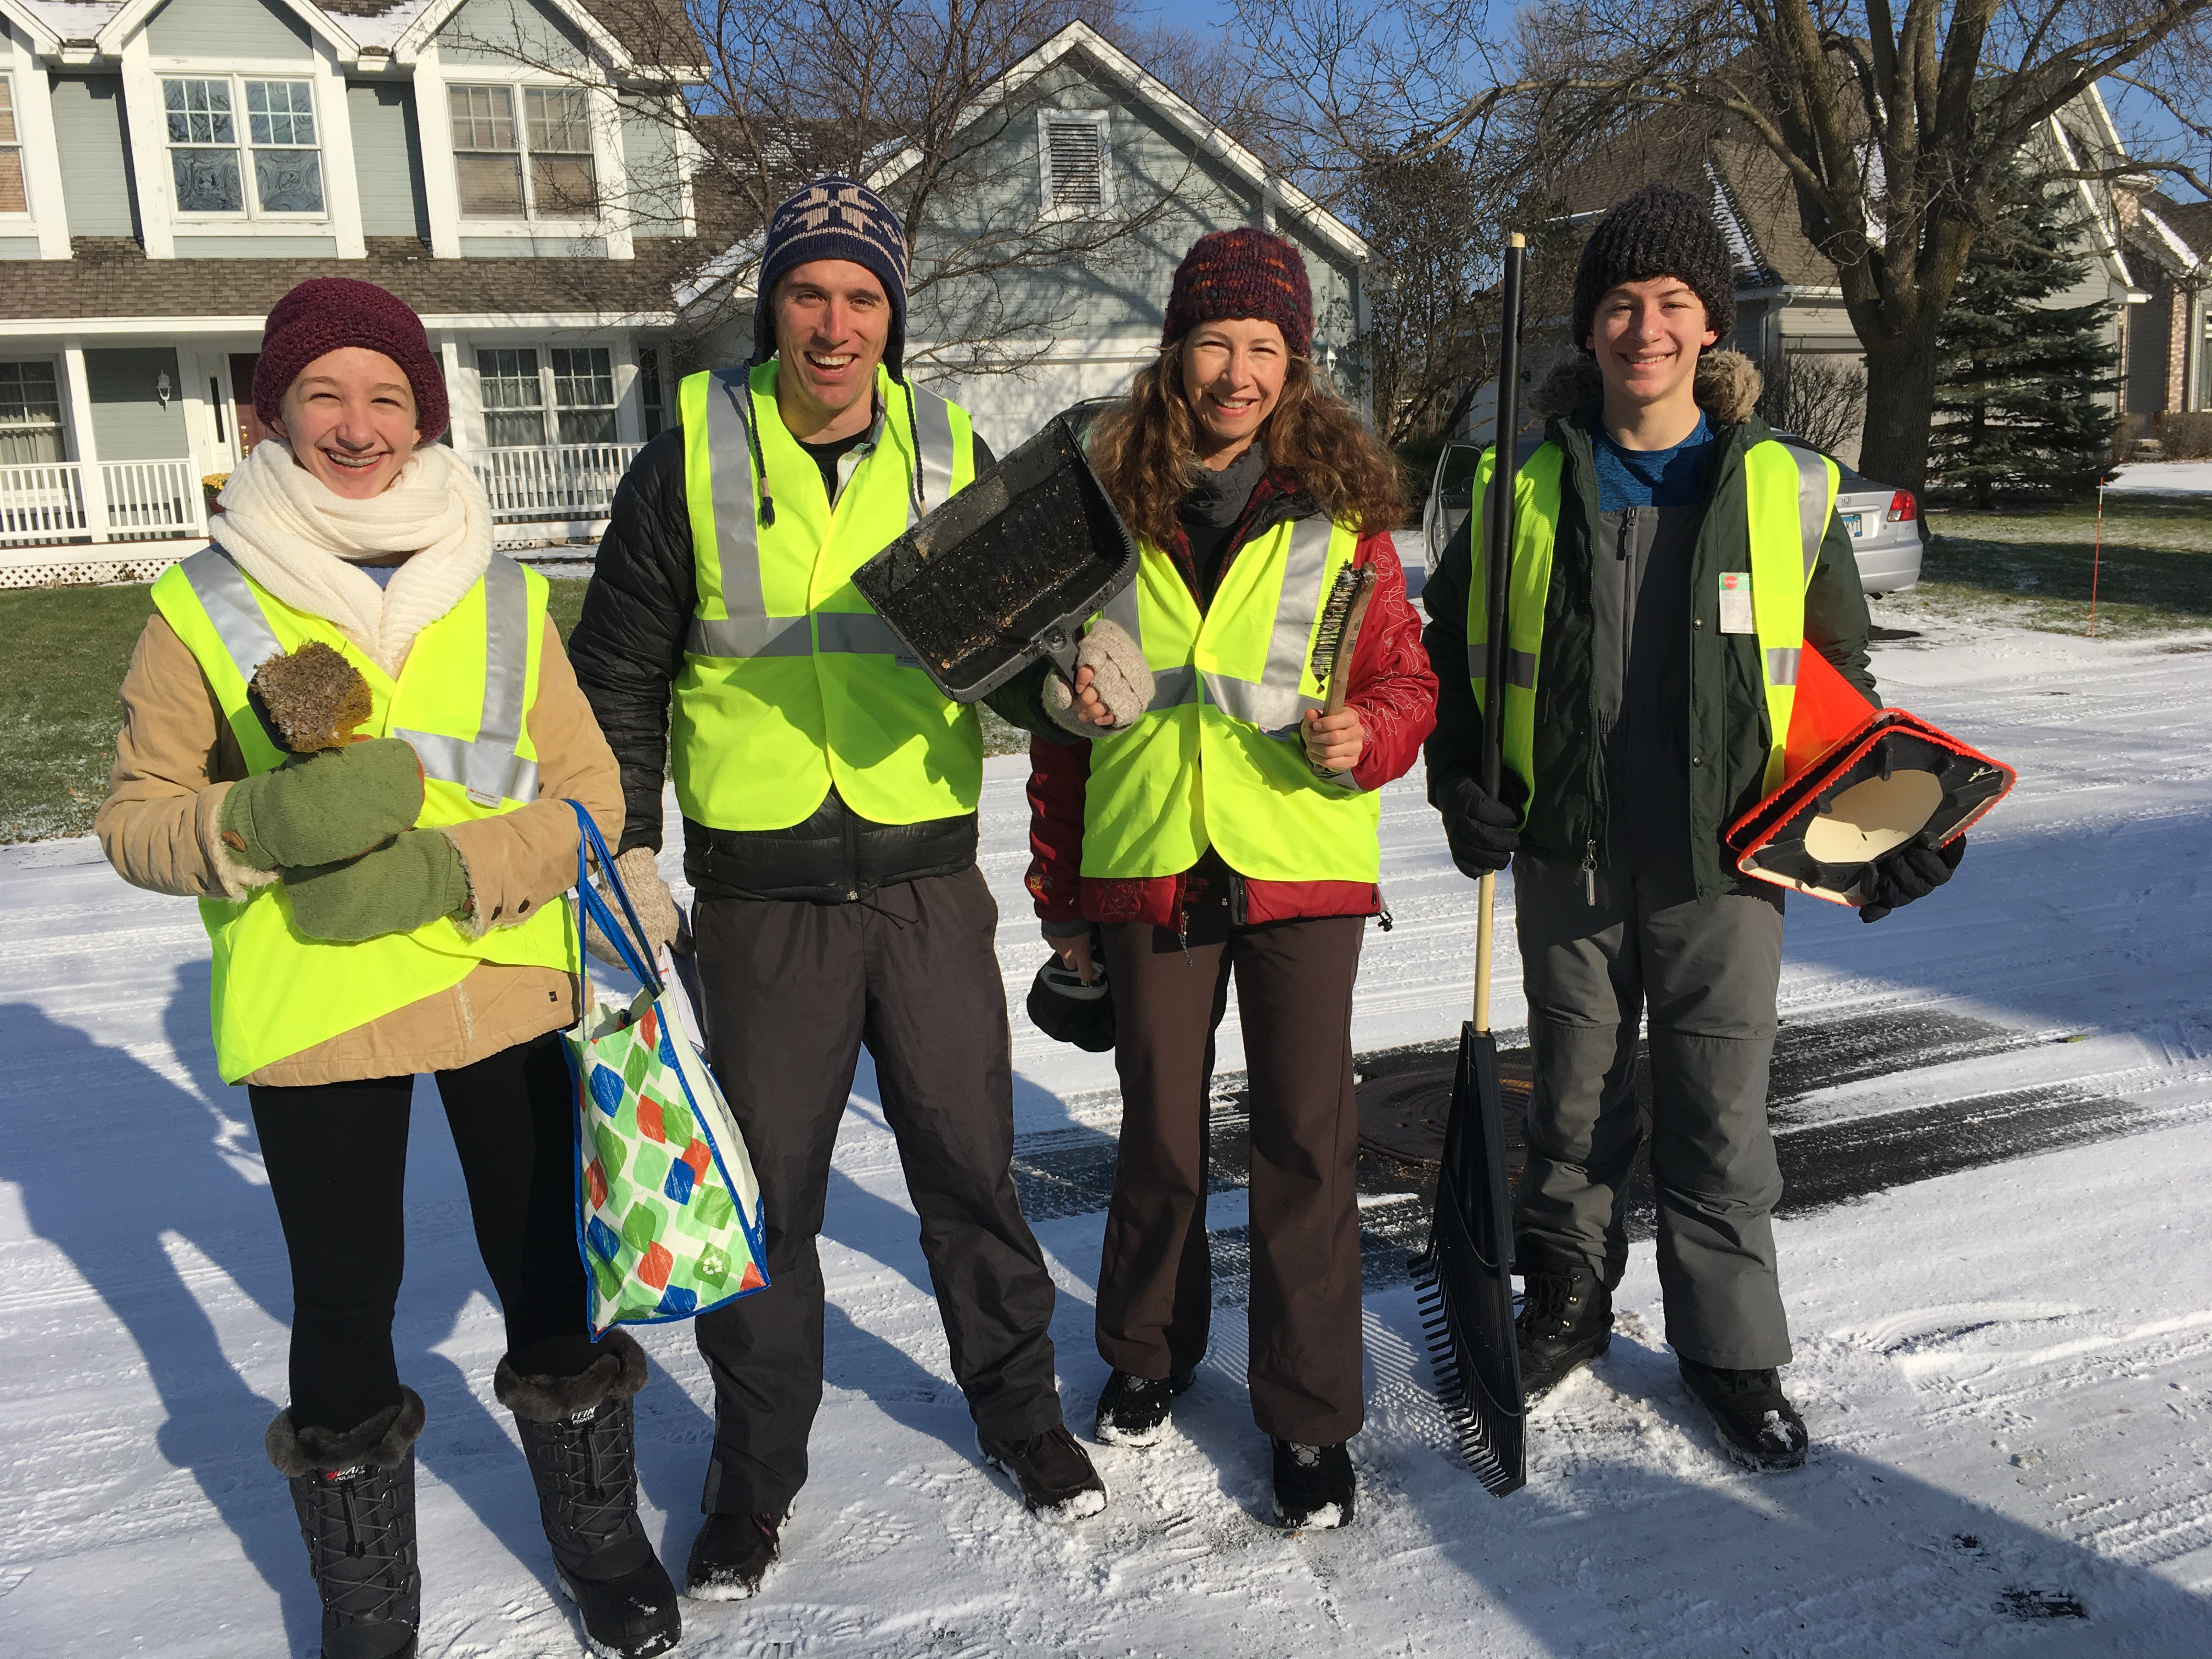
x=1217, y=500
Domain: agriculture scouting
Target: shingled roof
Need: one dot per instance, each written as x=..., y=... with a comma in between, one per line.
x=111, y=276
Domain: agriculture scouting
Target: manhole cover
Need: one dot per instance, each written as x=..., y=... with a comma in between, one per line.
x=1403, y=1116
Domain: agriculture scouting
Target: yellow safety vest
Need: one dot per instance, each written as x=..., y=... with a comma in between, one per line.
x=462, y=702
x=1216, y=759
x=790, y=682
x=1790, y=494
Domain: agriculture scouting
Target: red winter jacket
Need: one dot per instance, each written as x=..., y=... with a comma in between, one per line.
x=1395, y=690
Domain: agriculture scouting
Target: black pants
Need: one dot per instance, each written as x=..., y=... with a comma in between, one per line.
x=336, y=1155
x=793, y=990
x=1294, y=982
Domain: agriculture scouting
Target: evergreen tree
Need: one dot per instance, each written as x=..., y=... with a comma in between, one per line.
x=2019, y=382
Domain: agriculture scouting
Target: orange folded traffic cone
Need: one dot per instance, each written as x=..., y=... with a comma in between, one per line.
x=1857, y=782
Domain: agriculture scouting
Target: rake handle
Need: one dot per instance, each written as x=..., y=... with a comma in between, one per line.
x=1497, y=564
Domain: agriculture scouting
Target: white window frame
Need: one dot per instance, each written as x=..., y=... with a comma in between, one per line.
x=605, y=180
x=64, y=440
x=550, y=407
x=250, y=210
x=1101, y=121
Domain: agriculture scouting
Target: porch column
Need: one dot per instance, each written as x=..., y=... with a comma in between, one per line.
x=84, y=447
x=630, y=418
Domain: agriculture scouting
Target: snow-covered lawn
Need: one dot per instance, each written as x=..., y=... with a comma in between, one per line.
x=2164, y=479
x=2006, y=1369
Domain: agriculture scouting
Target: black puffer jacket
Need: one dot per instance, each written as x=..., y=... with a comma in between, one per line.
x=628, y=650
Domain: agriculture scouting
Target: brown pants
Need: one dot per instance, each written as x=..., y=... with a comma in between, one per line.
x=1294, y=983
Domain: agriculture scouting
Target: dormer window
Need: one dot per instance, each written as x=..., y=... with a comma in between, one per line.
x=205, y=162
x=538, y=168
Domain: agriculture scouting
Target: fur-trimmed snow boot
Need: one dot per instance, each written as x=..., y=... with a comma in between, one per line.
x=355, y=1495
x=579, y=1434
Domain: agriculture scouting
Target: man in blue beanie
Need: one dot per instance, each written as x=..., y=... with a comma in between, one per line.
x=829, y=793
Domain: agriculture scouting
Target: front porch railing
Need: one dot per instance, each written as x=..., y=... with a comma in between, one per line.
x=568, y=482
x=48, y=502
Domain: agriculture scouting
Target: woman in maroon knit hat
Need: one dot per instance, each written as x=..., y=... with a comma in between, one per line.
x=1213, y=823
x=382, y=898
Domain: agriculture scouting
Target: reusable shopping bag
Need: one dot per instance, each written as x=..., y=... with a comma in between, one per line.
x=668, y=1210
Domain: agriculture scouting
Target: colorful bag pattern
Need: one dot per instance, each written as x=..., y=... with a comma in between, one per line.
x=668, y=1209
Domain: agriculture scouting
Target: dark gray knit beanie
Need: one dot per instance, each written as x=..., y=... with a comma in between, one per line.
x=1658, y=231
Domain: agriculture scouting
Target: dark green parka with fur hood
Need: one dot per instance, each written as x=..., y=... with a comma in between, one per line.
x=1728, y=736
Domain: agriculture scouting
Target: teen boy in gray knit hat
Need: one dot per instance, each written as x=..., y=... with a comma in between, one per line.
x=829, y=794
x=1645, y=707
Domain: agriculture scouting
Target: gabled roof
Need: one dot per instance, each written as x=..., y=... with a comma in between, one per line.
x=1075, y=37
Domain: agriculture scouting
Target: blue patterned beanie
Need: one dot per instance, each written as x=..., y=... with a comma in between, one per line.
x=834, y=218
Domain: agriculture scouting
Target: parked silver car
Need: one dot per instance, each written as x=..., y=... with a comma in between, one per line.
x=1884, y=522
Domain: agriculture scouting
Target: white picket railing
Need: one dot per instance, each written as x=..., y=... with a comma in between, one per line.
x=570, y=483
x=47, y=502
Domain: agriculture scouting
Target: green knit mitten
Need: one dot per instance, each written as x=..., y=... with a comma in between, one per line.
x=392, y=889
x=317, y=809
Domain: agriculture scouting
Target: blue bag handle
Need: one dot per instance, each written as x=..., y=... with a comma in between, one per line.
x=595, y=907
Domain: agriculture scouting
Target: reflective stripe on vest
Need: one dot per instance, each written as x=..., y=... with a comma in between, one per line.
x=1789, y=496
x=1216, y=758
x=274, y=993
x=1272, y=702
x=791, y=683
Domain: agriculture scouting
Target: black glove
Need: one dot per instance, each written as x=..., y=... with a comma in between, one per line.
x=1482, y=832
x=1909, y=872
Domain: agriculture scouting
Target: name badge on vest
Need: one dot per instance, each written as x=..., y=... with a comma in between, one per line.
x=1735, y=603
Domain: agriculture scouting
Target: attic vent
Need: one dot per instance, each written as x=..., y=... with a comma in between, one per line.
x=1072, y=157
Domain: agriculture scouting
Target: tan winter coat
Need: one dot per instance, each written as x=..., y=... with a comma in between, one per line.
x=176, y=759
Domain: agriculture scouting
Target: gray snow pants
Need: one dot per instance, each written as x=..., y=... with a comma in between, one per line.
x=792, y=990
x=1707, y=974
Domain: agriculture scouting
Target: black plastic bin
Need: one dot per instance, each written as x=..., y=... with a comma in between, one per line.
x=1006, y=572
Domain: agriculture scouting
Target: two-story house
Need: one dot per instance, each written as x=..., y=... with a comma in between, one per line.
x=169, y=169
x=1075, y=137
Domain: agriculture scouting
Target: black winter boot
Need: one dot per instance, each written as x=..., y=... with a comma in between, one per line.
x=1566, y=1321
x=1132, y=1410
x=578, y=1432
x=1758, y=1427
x=355, y=1495
x=731, y=1556
x=1315, y=1487
x=1054, y=1474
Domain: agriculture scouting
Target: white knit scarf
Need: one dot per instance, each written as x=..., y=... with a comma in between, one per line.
x=290, y=533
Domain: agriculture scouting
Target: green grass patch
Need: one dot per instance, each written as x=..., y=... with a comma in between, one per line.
x=61, y=710
x=2032, y=567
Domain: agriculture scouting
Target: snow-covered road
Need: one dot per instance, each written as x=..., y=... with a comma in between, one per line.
x=2005, y=1366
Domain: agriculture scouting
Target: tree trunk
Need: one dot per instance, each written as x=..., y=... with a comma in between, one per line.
x=1901, y=409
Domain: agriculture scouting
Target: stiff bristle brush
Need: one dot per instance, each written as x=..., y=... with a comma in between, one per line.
x=311, y=698
x=1338, y=637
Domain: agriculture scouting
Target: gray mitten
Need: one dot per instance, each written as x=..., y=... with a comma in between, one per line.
x=1119, y=675
x=656, y=907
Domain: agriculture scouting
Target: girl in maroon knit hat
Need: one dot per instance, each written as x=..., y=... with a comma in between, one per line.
x=1215, y=823
x=351, y=733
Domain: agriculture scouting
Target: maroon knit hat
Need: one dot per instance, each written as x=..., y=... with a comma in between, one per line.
x=1242, y=273
x=327, y=314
